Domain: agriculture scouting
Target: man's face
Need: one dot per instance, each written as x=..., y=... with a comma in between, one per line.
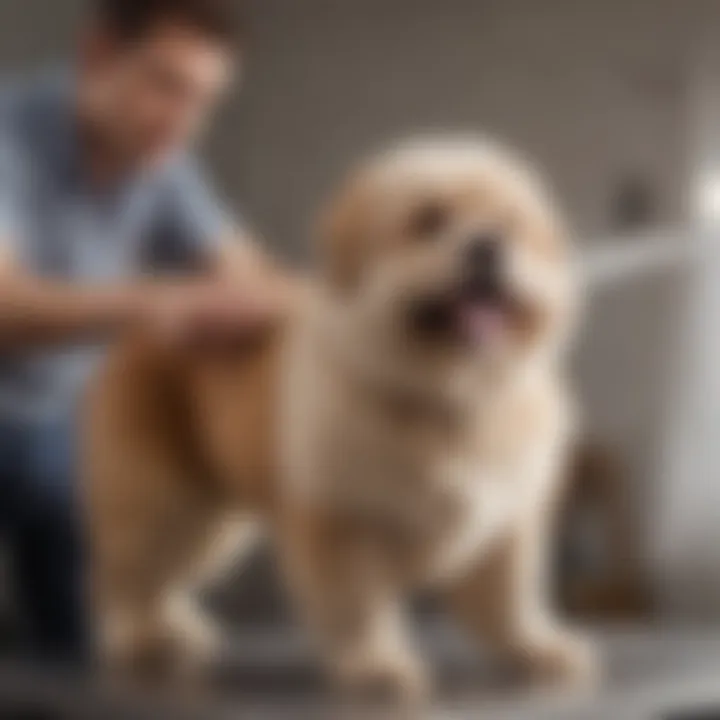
x=154, y=95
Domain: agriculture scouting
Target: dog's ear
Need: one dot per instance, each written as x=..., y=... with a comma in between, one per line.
x=343, y=232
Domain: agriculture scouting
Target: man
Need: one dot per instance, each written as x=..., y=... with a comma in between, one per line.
x=96, y=188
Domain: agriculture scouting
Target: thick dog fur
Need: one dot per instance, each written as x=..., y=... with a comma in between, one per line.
x=381, y=460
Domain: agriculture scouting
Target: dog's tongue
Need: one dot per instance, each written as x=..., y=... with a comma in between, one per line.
x=481, y=323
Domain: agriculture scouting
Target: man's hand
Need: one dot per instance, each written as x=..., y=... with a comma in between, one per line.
x=212, y=312
x=246, y=295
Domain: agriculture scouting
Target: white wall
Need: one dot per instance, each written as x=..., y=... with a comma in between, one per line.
x=687, y=557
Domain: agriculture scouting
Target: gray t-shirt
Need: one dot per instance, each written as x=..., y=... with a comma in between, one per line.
x=59, y=227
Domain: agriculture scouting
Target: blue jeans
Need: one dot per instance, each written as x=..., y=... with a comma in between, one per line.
x=40, y=524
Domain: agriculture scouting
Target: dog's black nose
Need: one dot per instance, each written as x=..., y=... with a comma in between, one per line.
x=483, y=268
x=484, y=255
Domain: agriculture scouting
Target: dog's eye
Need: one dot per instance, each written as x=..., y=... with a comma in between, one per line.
x=427, y=221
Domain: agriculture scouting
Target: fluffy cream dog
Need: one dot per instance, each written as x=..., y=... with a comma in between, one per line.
x=405, y=428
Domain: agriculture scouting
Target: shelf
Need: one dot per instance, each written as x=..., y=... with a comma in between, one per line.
x=619, y=260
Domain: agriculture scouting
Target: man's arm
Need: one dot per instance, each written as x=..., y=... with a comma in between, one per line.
x=35, y=312
x=241, y=296
x=242, y=291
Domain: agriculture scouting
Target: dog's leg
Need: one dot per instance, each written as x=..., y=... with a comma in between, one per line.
x=354, y=611
x=231, y=543
x=148, y=622
x=151, y=538
x=504, y=599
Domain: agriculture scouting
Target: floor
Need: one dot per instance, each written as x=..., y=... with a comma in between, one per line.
x=654, y=674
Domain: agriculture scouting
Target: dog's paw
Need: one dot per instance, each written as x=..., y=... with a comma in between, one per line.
x=564, y=660
x=198, y=640
x=392, y=677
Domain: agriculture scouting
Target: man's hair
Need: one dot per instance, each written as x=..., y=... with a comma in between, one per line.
x=130, y=20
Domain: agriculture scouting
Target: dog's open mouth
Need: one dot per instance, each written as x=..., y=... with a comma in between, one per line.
x=460, y=318
x=480, y=323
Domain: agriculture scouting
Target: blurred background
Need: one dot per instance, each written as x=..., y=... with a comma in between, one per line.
x=619, y=101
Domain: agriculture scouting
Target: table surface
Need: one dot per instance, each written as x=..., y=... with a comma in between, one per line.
x=652, y=673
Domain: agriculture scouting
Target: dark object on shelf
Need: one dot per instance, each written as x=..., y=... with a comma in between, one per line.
x=634, y=204
x=599, y=572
